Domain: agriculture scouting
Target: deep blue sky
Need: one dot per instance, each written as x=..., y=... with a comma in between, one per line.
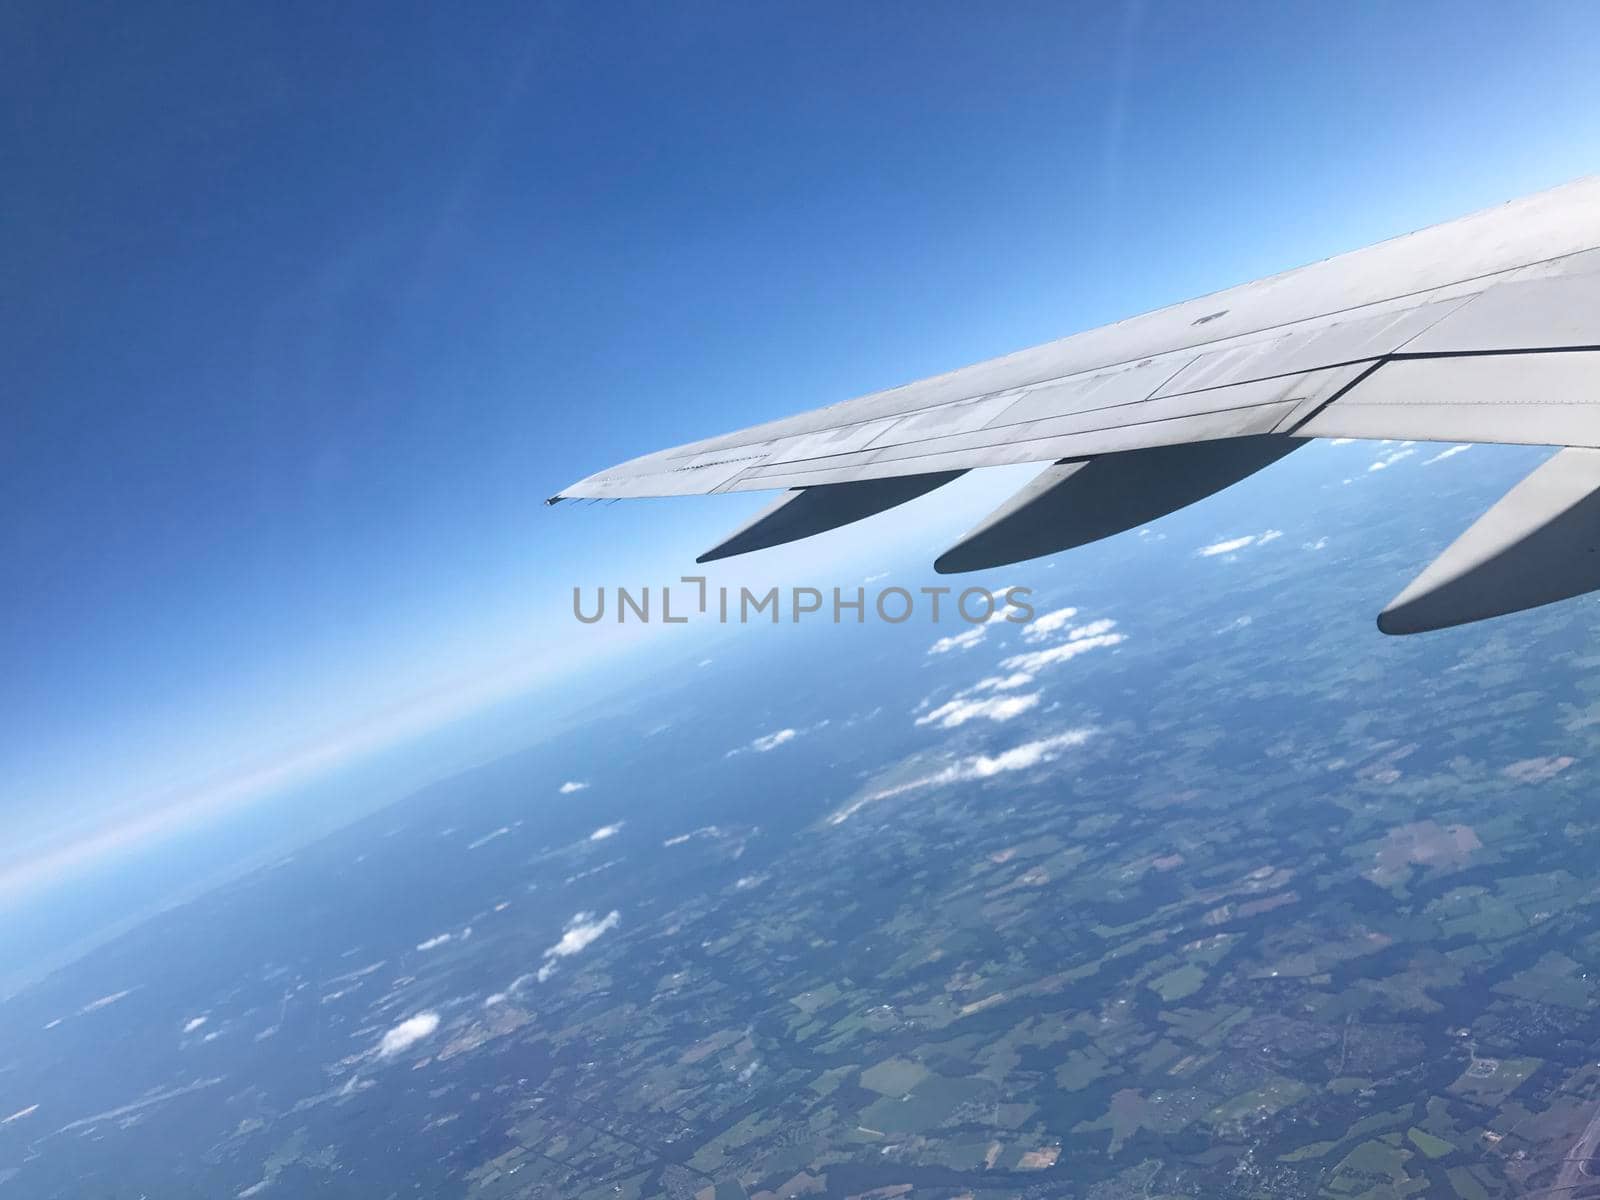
x=308, y=307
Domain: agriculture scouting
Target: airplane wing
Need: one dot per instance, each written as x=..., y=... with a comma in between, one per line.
x=1484, y=329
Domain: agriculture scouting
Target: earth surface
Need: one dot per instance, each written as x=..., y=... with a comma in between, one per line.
x=1194, y=886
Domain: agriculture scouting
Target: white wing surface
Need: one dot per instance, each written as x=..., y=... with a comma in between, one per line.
x=1484, y=329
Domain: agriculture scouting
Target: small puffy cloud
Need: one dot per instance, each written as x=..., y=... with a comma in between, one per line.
x=975, y=767
x=767, y=742
x=479, y=843
x=992, y=708
x=968, y=638
x=434, y=943
x=1444, y=454
x=1001, y=683
x=710, y=831
x=497, y=998
x=1232, y=545
x=105, y=1001
x=1092, y=629
x=1047, y=625
x=1020, y=758
x=193, y=1024
x=407, y=1034
x=1080, y=640
x=1390, y=458
x=606, y=831
x=1226, y=547
x=965, y=640
x=572, y=785
x=581, y=932
x=1320, y=544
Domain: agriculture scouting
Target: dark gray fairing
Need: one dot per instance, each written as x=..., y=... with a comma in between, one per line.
x=807, y=511
x=1538, y=544
x=1073, y=503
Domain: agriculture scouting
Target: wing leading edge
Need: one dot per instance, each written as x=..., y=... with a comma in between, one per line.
x=1482, y=329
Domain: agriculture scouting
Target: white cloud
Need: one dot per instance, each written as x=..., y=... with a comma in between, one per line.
x=975, y=767
x=959, y=641
x=1227, y=547
x=489, y=837
x=703, y=831
x=1019, y=758
x=407, y=1034
x=1230, y=545
x=994, y=708
x=1044, y=626
x=968, y=638
x=572, y=785
x=1341, y=441
x=1444, y=454
x=1388, y=460
x=1080, y=640
x=768, y=742
x=497, y=998
x=17, y=1116
x=105, y=1001
x=581, y=932
x=434, y=943
x=1320, y=544
x=193, y=1024
x=1001, y=683
x=606, y=831
x=1092, y=629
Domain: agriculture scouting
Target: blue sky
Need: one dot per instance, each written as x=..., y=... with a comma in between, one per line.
x=308, y=307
